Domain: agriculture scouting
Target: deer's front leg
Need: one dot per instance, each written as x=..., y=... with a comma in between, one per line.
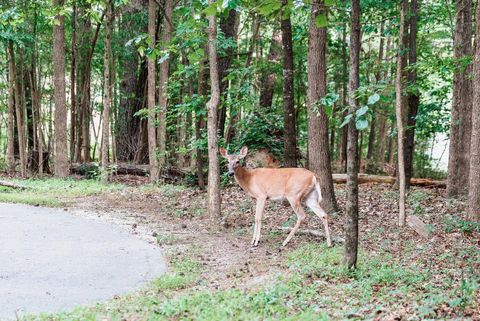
x=258, y=220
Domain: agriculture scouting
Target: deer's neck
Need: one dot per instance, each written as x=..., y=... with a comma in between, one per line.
x=242, y=176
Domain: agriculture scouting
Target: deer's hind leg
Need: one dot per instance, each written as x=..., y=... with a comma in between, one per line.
x=297, y=207
x=312, y=202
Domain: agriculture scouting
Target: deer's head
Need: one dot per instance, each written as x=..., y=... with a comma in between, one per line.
x=233, y=160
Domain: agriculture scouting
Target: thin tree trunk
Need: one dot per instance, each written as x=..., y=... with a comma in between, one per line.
x=73, y=102
x=474, y=184
x=61, y=148
x=18, y=113
x=214, y=199
x=460, y=132
x=351, y=209
x=107, y=100
x=268, y=83
x=318, y=150
x=162, y=87
x=152, y=139
x=11, y=115
x=400, y=108
x=200, y=124
x=344, y=130
x=413, y=96
x=290, y=132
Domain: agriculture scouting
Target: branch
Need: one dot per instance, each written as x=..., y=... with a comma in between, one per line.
x=316, y=233
x=12, y=185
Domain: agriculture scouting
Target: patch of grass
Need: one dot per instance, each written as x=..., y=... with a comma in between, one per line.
x=456, y=223
x=165, y=239
x=54, y=192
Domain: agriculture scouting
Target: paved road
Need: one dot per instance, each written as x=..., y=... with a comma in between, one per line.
x=51, y=260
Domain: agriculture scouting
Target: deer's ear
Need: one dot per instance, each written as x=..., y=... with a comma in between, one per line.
x=243, y=151
x=223, y=152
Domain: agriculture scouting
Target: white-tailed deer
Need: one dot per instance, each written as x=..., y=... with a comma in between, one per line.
x=297, y=185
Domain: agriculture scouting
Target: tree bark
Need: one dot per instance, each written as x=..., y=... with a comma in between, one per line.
x=268, y=83
x=19, y=116
x=152, y=137
x=61, y=148
x=200, y=124
x=474, y=184
x=11, y=115
x=73, y=103
x=344, y=129
x=214, y=199
x=460, y=131
x=107, y=90
x=318, y=150
x=290, y=133
x=351, y=209
x=414, y=95
x=400, y=108
x=162, y=87
x=228, y=27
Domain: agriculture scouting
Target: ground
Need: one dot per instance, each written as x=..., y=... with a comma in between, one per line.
x=216, y=275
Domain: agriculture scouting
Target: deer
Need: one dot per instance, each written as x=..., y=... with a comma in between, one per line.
x=297, y=185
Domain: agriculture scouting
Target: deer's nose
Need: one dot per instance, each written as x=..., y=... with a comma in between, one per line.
x=231, y=173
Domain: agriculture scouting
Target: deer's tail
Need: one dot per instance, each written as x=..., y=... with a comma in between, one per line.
x=317, y=188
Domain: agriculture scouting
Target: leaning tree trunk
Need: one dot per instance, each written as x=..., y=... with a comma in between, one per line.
x=460, y=132
x=107, y=100
x=61, y=149
x=474, y=184
x=152, y=139
x=351, y=209
x=400, y=108
x=290, y=133
x=214, y=200
x=414, y=96
x=11, y=116
x=318, y=150
x=162, y=88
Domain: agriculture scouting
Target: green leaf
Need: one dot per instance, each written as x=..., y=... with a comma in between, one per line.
x=329, y=3
x=211, y=10
x=361, y=111
x=361, y=123
x=373, y=99
x=346, y=120
x=321, y=20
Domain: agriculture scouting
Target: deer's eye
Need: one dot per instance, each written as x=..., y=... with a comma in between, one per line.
x=238, y=162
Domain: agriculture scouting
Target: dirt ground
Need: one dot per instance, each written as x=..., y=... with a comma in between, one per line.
x=176, y=220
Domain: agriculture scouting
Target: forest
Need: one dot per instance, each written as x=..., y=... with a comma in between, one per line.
x=127, y=103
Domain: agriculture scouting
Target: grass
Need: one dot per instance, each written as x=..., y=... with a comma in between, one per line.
x=316, y=286
x=54, y=192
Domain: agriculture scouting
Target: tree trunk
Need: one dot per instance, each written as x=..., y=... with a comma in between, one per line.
x=11, y=115
x=214, y=200
x=344, y=129
x=18, y=113
x=61, y=148
x=200, y=124
x=152, y=138
x=268, y=83
x=73, y=103
x=351, y=209
x=400, y=108
x=107, y=90
x=461, y=124
x=474, y=185
x=318, y=150
x=290, y=133
x=413, y=96
x=228, y=27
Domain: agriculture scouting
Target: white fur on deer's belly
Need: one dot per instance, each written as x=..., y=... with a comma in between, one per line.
x=277, y=198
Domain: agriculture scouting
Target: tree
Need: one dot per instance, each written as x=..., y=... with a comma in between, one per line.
x=162, y=86
x=318, y=149
x=152, y=137
x=290, y=132
x=214, y=200
x=11, y=116
x=474, y=183
x=351, y=209
x=400, y=108
x=460, y=131
x=61, y=149
x=413, y=99
x=107, y=101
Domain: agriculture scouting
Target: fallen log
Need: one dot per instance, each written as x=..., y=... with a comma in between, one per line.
x=316, y=233
x=379, y=179
x=93, y=169
x=418, y=226
x=12, y=185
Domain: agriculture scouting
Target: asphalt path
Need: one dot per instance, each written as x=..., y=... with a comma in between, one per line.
x=52, y=261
